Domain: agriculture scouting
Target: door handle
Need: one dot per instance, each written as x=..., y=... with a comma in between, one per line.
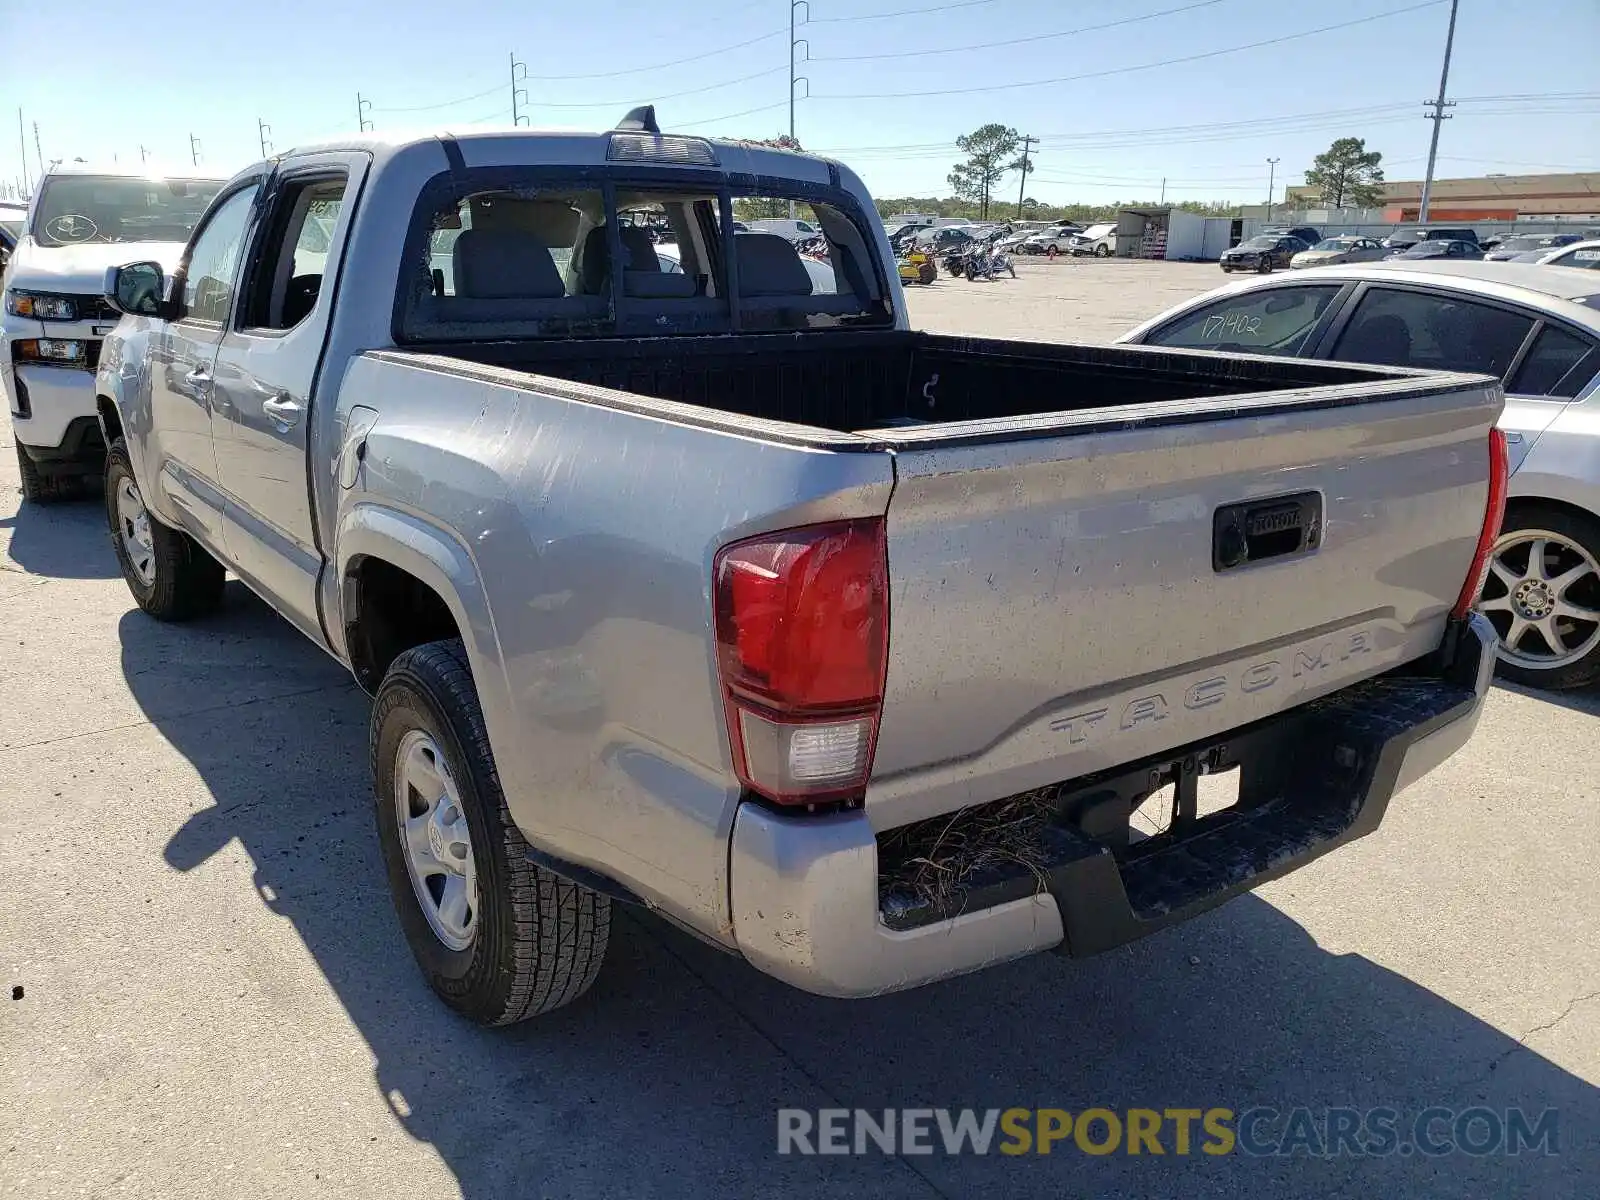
x=283, y=412
x=199, y=375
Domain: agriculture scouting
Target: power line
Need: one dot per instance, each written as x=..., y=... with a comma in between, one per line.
x=634, y=99
x=676, y=62
x=410, y=108
x=904, y=12
x=730, y=116
x=1038, y=37
x=1166, y=62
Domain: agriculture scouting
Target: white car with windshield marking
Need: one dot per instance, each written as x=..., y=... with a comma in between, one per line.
x=82, y=220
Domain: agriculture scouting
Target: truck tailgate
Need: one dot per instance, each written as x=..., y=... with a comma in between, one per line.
x=1074, y=593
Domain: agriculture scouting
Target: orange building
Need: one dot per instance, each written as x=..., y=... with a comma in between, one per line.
x=1574, y=197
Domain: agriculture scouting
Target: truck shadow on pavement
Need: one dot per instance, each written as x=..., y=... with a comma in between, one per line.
x=67, y=540
x=664, y=1081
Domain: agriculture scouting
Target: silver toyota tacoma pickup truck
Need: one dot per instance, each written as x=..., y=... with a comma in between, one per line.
x=849, y=648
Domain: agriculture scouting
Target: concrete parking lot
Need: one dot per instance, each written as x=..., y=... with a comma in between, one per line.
x=204, y=992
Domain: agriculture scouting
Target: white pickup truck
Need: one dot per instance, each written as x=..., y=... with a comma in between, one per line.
x=851, y=649
x=82, y=220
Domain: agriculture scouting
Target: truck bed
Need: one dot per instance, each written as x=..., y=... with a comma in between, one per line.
x=853, y=381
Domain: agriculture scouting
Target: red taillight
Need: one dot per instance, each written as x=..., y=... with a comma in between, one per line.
x=1494, y=513
x=802, y=643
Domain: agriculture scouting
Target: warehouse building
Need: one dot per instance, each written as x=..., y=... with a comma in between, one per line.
x=1570, y=197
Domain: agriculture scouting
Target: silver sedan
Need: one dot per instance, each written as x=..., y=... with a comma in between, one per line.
x=1347, y=249
x=1534, y=328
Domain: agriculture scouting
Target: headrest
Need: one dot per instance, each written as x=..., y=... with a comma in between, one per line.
x=503, y=264
x=770, y=266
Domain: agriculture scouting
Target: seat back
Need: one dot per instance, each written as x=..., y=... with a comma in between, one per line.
x=504, y=264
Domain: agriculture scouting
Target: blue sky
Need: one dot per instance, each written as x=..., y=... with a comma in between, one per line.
x=888, y=93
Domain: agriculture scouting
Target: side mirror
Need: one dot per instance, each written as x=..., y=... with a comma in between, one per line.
x=137, y=289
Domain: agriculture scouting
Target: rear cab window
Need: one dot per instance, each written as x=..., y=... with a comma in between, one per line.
x=1272, y=320
x=519, y=253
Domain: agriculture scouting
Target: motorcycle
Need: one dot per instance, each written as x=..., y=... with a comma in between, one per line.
x=988, y=260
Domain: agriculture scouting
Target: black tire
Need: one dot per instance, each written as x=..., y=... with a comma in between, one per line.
x=1264, y=265
x=1012, y=268
x=38, y=488
x=1578, y=530
x=187, y=582
x=539, y=939
x=1102, y=251
x=1226, y=269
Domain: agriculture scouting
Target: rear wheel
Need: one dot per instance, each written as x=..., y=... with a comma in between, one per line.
x=1543, y=597
x=171, y=577
x=1102, y=251
x=497, y=938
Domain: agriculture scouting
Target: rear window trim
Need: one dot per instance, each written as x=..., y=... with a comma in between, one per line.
x=438, y=190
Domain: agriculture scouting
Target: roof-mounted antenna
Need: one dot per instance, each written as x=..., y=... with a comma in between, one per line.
x=639, y=120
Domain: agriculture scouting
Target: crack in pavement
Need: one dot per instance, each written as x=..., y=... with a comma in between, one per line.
x=1494, y=1063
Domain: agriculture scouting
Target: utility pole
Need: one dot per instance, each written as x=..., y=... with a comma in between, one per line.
x=1163, y=189
x=517, y=116
x=1272, y=179
x=194, y=149
x=1028, y=141
x=22, y=140
x=1438, y=115
x=262, y=129
x=363, y=107
x=796, y=44
x=38, y=149
x=144, y=155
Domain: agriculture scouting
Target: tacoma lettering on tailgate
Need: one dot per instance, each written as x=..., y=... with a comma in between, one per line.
x=1300, y=663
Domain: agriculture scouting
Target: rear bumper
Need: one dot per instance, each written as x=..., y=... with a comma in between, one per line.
x=806, y=901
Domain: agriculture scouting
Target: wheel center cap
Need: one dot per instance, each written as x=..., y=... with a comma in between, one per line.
x=436, y=842
x=1534, y=599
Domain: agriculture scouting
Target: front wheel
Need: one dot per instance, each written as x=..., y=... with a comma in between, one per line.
x=1227, y=270
x=39, y=488
x=1542, y=596
x=1264, y=266
x=1011, y=267
x=170, y=575
x=1102, y=251
x=497, y=938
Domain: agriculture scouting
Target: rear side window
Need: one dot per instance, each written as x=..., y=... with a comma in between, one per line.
x=1434, y=330
x=1276, y=320
x=1560, y=364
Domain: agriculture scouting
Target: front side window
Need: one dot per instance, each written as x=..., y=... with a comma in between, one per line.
x=289, y=279
x=212, y=269
x=1435, y=330
x=114, y=208
x=1276, y=320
